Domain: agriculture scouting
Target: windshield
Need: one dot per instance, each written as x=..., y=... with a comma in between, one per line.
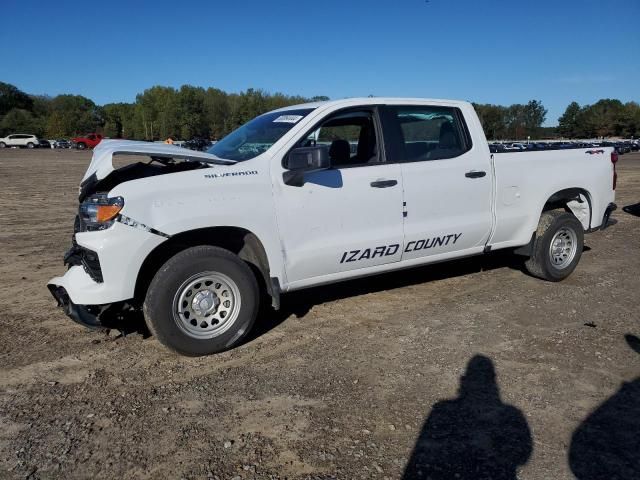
x=258, y=135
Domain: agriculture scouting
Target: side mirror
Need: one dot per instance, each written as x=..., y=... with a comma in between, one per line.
x=309, y=158
x=305, y=159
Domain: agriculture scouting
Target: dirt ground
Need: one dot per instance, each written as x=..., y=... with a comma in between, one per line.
x=470, y=369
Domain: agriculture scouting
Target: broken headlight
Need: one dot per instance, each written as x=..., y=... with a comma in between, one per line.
x=99, y=211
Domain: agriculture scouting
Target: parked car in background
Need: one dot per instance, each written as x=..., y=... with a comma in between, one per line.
x=88, y=141
x=19, y=140
x=619, y=147
x=197, y=143
x=44, y=143
x=62, y=143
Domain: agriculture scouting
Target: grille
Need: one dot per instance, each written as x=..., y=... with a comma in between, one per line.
x=91, y=265
x=89, y=260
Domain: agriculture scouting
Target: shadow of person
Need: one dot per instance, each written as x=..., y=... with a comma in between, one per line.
x=632, y=209
x=606, y=445
x=474, y=436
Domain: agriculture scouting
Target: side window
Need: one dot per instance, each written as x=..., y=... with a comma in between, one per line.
x=350, y=137
x=427, y=133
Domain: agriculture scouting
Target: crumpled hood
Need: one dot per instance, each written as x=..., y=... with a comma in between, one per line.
x=102, y=161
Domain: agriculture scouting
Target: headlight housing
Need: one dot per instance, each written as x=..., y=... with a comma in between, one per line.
x=98, y=211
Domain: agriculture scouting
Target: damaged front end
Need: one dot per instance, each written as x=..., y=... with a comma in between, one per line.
x=116, y=315
x=108, y=247
x=86, y=315
x=101, y=176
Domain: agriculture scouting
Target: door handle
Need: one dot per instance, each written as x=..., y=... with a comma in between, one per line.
x=383, y=183
x=475, y=174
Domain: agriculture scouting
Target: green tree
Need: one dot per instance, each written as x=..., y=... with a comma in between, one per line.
x=516, y=125
x=120, y=120
x=568, y=122
x=191, y=112
x=600, y=119
x=534, y=116
x=628, y=122
x=159, y=112
x=18, y=120
x=11, y=97
x=493, y=119
x=216, y=108
x=73, y=115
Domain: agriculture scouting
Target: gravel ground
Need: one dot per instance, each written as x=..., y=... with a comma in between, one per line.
x=470, y=369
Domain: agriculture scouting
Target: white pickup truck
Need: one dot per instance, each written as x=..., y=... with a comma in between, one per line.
x=314, y=194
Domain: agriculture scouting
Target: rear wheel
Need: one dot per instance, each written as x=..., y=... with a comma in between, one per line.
x=30, y=145
x=203, y=300
x=557, y=247
x=82, y=146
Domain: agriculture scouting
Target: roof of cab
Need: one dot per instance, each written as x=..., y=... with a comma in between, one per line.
x=373, y=101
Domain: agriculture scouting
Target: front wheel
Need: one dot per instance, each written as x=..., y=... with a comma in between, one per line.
x=557, y=247
x=81, y=146
x=203, y=300
x=3, y=145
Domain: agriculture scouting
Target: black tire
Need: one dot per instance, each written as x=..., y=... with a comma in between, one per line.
x=30, y=145
x=162, y=299
x=3, y=145
x=540, y=264
x=81, y=146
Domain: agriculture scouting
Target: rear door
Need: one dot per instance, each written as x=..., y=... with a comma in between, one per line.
x=446, y=180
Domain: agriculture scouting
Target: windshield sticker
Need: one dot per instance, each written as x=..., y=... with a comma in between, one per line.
x=287, y=119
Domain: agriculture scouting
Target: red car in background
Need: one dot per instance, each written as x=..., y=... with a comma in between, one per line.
x=88, y=141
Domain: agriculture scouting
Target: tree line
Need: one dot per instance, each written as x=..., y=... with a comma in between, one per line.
x=158, y=113
x=182, y=113
x=605, y=118
x=515, y=121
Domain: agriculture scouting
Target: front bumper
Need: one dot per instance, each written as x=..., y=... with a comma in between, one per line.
x=87, y=316
x=120, y=251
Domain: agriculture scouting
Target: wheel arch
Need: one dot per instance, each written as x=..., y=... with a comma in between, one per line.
x=572, y=201
x=568, y=199
x=237, y=240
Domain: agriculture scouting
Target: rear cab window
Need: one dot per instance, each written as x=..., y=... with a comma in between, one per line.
x=415, y=133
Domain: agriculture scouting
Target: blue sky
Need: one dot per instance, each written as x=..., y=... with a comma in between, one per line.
x=499, y=52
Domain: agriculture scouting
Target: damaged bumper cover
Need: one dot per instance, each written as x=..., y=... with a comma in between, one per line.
x=104, y=268
x=606, y=219
x=86, y=315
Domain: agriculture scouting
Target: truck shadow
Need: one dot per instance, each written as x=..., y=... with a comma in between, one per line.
x=606, y=445
x=299, y=303
x=473, y=436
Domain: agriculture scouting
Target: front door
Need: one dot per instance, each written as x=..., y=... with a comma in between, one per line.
x=348, y=217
